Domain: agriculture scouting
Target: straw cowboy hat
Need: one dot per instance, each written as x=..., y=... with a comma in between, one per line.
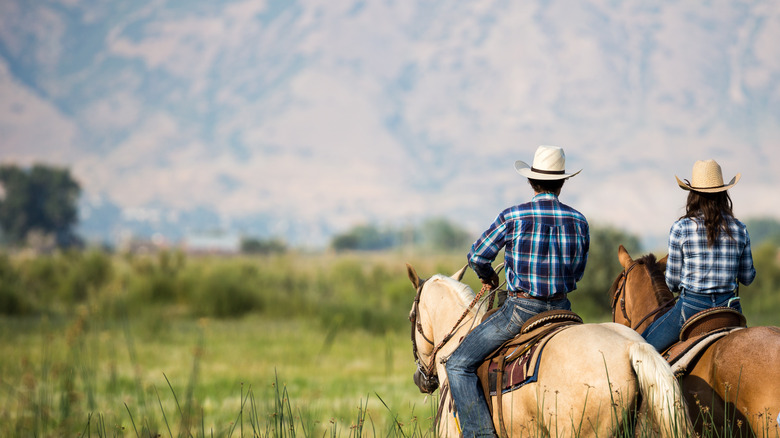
x=549, y=163
x=707, y=178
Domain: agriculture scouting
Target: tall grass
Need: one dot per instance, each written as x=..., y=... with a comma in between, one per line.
x=68, y=385
x=293, y=345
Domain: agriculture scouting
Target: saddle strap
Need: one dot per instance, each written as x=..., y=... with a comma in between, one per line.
x=442, y=402
x=499, y=393
x=539, y=335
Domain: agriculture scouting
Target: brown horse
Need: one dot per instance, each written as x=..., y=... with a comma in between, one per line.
x=591, y=376
x=734, y=387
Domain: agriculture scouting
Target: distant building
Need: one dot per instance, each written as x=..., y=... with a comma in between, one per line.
x=212, y=243
x=141, y=245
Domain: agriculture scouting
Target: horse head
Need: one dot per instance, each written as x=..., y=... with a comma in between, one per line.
x=639, y=292
x=425, y=376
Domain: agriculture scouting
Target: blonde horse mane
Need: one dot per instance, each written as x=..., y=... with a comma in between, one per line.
x=462, y=292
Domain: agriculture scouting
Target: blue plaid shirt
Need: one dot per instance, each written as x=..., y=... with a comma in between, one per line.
x=545, y=245
x=695, y=267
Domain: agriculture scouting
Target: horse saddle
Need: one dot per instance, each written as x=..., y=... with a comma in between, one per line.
x=516, y=362
x=698, y=332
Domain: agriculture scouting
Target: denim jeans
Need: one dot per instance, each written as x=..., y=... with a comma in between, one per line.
x=665, y=331
x=470, y=404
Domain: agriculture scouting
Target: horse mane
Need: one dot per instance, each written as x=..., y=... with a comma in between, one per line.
x=657, y=277
x=462, y=291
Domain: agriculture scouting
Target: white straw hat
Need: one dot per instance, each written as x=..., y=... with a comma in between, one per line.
x=549, y=163
x=707, y=178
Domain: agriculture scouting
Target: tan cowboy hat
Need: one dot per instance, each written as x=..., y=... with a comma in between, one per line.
x=549, y=163
x=707, y=178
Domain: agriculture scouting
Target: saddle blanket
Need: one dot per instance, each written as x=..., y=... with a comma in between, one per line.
x=683, y=355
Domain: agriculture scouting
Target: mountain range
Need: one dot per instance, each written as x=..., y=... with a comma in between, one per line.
x=301, y=119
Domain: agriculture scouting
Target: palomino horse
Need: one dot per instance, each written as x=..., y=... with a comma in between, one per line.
x=734, y=387
x=590, y=376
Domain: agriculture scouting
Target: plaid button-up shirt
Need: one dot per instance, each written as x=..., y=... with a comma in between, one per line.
x=695, y=267
x=545, y=245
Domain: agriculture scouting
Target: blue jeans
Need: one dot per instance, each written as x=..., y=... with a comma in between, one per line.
x=470, y=404
x=665, y=331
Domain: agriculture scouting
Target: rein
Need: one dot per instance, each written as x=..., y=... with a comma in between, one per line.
x=620, y=292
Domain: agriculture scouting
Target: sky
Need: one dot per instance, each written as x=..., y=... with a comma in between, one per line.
x=305, y=118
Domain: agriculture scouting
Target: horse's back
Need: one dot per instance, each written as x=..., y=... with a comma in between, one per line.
x=748, y=359
x=584, y=370
x=744, y=366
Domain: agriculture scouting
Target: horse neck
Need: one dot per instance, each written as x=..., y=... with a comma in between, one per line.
x=642, y=299
x=444, y=307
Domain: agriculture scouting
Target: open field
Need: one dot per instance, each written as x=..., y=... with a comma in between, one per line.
x=289, y=345
x=57, y=377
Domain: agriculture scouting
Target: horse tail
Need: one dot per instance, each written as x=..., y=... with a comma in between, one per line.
x=660, y=391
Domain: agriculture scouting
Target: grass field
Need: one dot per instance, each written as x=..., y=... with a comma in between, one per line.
x=61, y=378
x=294, y=345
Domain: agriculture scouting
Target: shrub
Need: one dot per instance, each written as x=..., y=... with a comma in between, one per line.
x=12, y=300
x=226, y=291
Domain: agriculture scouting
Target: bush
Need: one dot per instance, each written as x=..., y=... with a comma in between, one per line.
x=156, y=279
x=12, y=301
x=84, y=274
x=366, y=291
x=226, y=291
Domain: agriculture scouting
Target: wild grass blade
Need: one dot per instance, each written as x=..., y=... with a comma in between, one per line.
x=132, y=421
x=162, y=411
x=396, y=424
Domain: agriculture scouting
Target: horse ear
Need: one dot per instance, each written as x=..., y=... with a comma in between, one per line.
x=459, y=275
x=624, y=257
x=413, y=275
x=663, y=259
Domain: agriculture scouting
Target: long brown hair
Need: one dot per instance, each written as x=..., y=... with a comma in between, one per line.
x=715, y=208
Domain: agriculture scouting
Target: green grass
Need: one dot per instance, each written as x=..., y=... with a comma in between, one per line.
x=164, y=376
x=59, y=377
x=280, y=346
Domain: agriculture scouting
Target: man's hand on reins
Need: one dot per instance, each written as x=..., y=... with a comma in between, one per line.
x=491, y=281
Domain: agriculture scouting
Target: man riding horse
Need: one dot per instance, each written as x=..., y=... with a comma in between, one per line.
x=545, y=245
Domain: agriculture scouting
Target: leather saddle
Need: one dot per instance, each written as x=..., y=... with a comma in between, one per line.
x=515, y=363
x=698, y=332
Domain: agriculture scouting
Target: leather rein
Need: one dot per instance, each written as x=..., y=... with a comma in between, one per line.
x=620, y=297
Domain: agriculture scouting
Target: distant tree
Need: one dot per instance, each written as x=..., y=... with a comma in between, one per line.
x=442, y=235
x=603, y=266
x=763, y=230
x=251, y=245
x=364, y=238
x=39, y=200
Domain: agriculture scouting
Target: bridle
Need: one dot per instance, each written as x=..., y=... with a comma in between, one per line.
x=620, y=297
x=427, y=371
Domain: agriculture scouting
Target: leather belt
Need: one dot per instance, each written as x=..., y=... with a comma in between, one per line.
x=523, y=294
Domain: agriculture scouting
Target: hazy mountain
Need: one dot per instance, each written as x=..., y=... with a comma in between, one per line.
x=301, y=118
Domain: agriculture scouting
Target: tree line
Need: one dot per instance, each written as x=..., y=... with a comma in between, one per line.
x=43, y=200
x=39, y=206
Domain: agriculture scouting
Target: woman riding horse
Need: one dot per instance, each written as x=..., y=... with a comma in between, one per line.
x=731, y=384
x=709, y=253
